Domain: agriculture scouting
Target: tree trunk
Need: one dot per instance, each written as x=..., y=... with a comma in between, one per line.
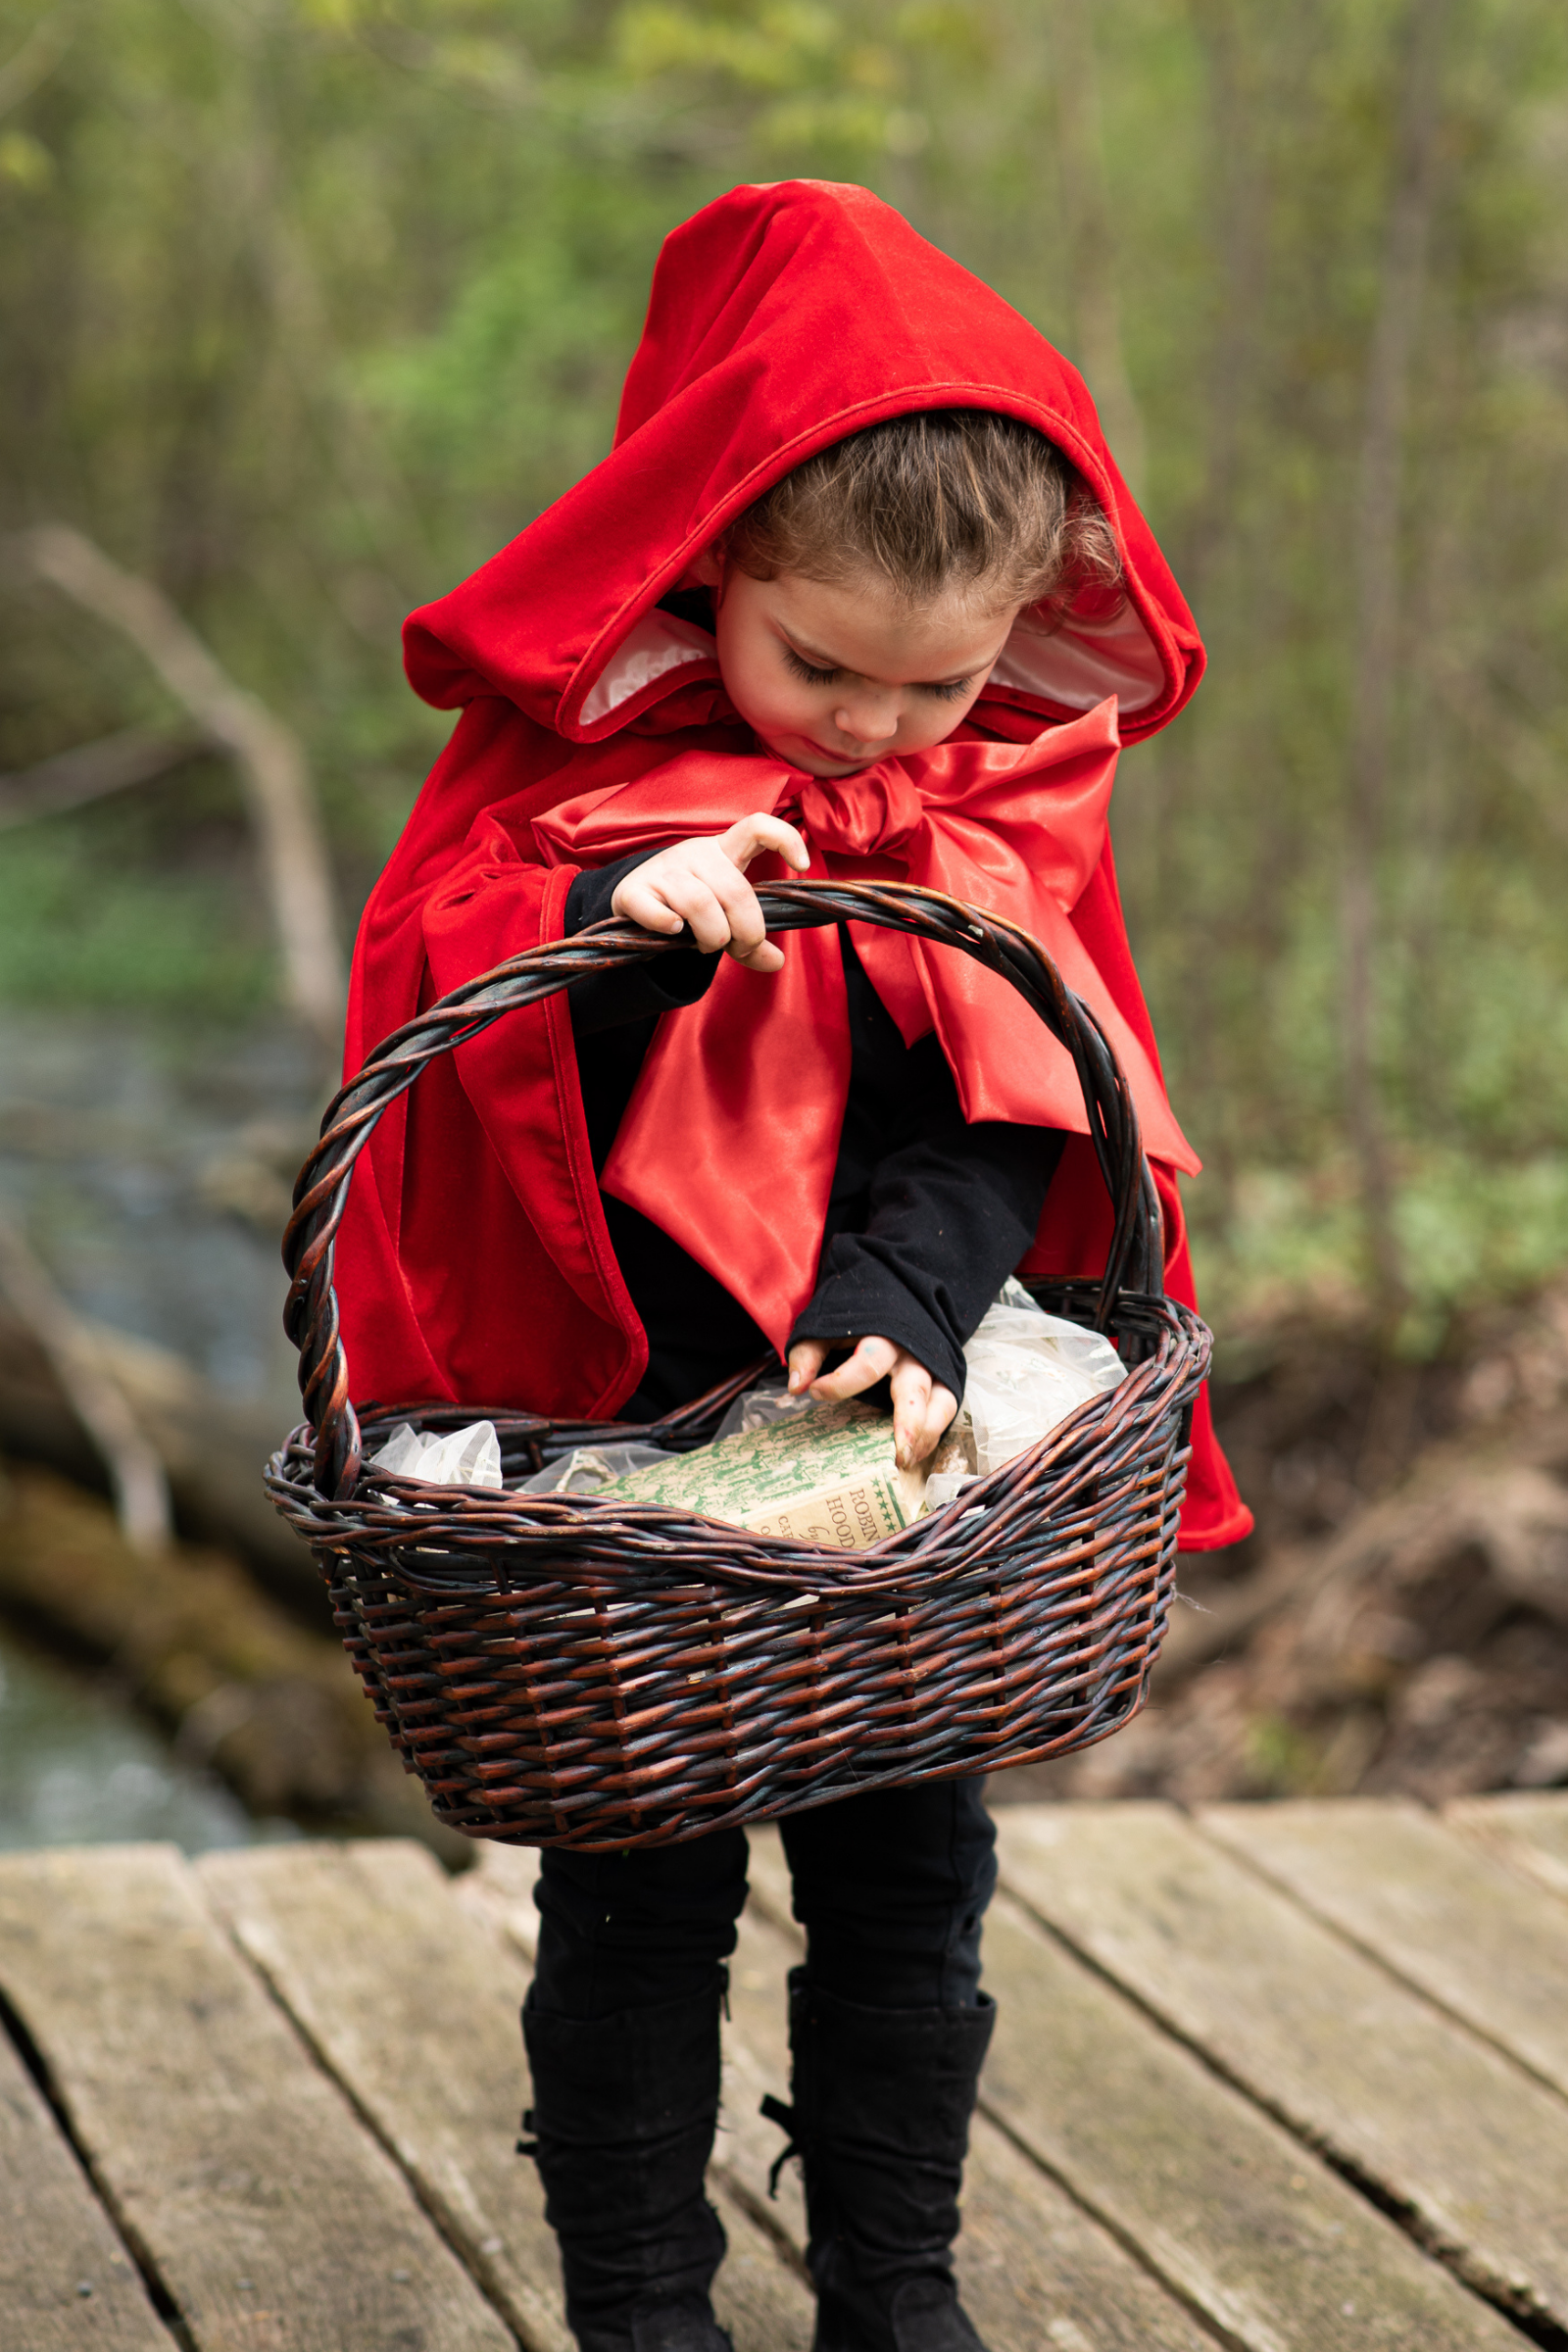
x=1090, y=243
x=1376, y=536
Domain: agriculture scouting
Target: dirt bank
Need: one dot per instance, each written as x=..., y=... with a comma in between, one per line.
x=1399, y=1622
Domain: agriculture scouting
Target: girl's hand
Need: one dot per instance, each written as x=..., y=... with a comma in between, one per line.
x=703, y=884
x=921, y=1406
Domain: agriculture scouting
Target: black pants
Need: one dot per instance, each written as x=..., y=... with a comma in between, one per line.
x=890, y=1887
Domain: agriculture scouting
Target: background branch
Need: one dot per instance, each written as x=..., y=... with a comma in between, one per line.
x=266, y=753
x=93, y=770
x=141, y=1490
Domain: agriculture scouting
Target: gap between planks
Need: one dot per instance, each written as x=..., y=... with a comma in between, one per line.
x=1439, y=2124
x=230, y=2163
x=1268, y=2245
x=1439, y=1911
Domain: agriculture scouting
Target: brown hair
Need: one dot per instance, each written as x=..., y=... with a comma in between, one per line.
x=944, y=499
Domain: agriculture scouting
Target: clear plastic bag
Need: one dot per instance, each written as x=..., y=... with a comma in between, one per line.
x=462, y=1458
x=1027, y=1372
x=589, y=1469
x=759, y=1408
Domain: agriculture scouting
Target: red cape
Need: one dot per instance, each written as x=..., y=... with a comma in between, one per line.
x=473, y=1263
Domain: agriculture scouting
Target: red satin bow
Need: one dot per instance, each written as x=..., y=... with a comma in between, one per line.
x=731, y=1136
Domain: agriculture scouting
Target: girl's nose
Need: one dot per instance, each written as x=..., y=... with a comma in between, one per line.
x=868, y=719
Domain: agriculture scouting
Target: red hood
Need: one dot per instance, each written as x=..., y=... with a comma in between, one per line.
x=782, y=320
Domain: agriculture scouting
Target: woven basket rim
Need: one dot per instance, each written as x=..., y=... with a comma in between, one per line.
x=573, y=1533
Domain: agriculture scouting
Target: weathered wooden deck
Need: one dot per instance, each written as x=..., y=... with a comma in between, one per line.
x=1288, y=2078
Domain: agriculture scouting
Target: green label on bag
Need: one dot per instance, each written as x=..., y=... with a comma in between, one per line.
x=826, y=1475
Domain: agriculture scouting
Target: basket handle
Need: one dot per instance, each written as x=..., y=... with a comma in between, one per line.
x=1134, y=1261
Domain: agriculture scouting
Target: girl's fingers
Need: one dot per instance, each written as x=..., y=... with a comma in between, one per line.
x=640, y=903
x=739, y=845
x=728, y=901
x=689, y=897
x=765, y=957
x=911, y=1386
x=921, y=1411
x=703, y=884
x=921, y=1406
x=751, y=835
x=872, y=1360
x=747, y=929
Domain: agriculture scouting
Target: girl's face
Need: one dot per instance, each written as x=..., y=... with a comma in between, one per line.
x=832, y=678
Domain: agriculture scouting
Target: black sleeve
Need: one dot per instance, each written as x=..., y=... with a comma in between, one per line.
x=951, y=1213
x=638, y=992
x=929, y=1215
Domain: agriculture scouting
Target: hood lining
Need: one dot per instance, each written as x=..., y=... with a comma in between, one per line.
x=1074, y=666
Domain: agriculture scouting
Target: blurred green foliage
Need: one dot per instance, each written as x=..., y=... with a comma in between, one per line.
x=311, y=304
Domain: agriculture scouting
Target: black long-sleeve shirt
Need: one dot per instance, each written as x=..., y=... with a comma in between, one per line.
x=927, y=1214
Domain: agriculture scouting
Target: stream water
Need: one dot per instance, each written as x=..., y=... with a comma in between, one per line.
x=150, y=1172
x=79, y=1768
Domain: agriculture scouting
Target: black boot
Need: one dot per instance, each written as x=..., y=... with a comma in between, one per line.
x=623, y=2112
x=881, y=2122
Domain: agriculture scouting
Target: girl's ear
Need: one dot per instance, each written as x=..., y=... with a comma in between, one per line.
x=706, y=570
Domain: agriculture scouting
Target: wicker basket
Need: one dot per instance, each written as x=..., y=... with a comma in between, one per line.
x=560, y=1669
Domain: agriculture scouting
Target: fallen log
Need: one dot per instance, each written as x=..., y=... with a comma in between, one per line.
x=271, y=1706
x=211, y=1450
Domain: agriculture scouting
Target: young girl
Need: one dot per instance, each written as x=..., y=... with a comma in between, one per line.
x=859, y=593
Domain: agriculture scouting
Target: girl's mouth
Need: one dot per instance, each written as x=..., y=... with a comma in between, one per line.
x=842, y=758
x=803, y=751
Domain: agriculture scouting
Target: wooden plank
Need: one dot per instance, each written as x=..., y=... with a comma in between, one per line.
x=1035, y=2272
x=67, y=2283
x=411, y=2001
x=768, y=1873
x=499, y=1890
x=1351, y=2059
x=1428, y=1903
x=413, y=2009
x=1528, y=1831
x=231, y=2164
x=1279, y=2253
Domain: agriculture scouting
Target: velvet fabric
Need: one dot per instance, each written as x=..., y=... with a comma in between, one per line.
x=473, y=1263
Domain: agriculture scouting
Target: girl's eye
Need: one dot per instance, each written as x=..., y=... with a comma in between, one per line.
x=803, y=671
x=953, y=691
